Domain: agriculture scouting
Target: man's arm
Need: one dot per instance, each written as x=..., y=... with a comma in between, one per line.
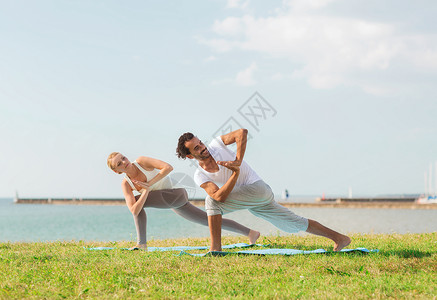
x=220, y=194
x=238, y=136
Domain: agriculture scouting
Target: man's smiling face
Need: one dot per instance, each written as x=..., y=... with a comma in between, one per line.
x=197, y=149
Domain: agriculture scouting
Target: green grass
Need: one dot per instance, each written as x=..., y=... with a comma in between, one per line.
x=405, y=267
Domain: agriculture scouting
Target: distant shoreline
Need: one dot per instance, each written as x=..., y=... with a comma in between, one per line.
x=331, y=203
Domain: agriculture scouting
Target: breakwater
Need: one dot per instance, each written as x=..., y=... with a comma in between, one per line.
x=402, y=203
x=72, y=201
x=373, y=200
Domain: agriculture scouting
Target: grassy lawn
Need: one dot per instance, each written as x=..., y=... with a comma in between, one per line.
x=405, y=267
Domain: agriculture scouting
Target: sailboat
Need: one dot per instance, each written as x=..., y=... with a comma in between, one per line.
x=429, y=197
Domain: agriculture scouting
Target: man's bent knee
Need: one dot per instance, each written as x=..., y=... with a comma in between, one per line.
x=211, y=206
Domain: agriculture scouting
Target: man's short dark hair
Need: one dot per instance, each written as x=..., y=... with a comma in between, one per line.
x=181, y=150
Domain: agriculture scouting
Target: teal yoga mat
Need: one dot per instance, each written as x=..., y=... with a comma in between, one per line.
x=278, y=252
x=183, y=250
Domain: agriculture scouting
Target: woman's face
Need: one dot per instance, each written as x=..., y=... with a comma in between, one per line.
x=120, y=163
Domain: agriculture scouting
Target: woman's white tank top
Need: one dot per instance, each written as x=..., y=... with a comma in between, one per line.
x=164, y=183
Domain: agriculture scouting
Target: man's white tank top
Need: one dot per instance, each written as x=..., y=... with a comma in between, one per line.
x=164, y=183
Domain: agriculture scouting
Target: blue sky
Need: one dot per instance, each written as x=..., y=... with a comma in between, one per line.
x=352, y=84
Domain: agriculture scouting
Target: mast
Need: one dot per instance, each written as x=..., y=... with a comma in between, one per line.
x=435, y=178
x=425, y=177
x=430, y=189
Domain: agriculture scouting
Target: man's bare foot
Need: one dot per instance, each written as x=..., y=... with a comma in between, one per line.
x=342, y=242
x=253, y=236
x=215, y=247
x=139, y=247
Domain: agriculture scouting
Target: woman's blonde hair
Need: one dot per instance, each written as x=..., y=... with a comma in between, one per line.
x=109, y=161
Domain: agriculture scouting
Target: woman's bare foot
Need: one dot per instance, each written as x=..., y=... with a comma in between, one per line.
x=253, y=236
x=139, y=247
x=342, y=242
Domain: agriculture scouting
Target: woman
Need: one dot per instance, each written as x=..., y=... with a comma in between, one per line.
x=148, y=176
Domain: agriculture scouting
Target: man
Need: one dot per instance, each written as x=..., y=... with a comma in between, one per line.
x=231, y=185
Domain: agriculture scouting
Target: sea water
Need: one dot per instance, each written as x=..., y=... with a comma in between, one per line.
x=44, y=222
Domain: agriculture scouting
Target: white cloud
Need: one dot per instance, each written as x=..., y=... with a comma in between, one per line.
x=210, y=58
x=305, y=5
x=329, y=50
x=231, y=26
x=219, y=45
x=245, y=77
x=237, y=4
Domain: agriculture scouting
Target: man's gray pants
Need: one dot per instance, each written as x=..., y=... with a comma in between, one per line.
x=258, y=198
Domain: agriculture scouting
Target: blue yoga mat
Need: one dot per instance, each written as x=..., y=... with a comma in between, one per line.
x=181, y=248
x=278, y=252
